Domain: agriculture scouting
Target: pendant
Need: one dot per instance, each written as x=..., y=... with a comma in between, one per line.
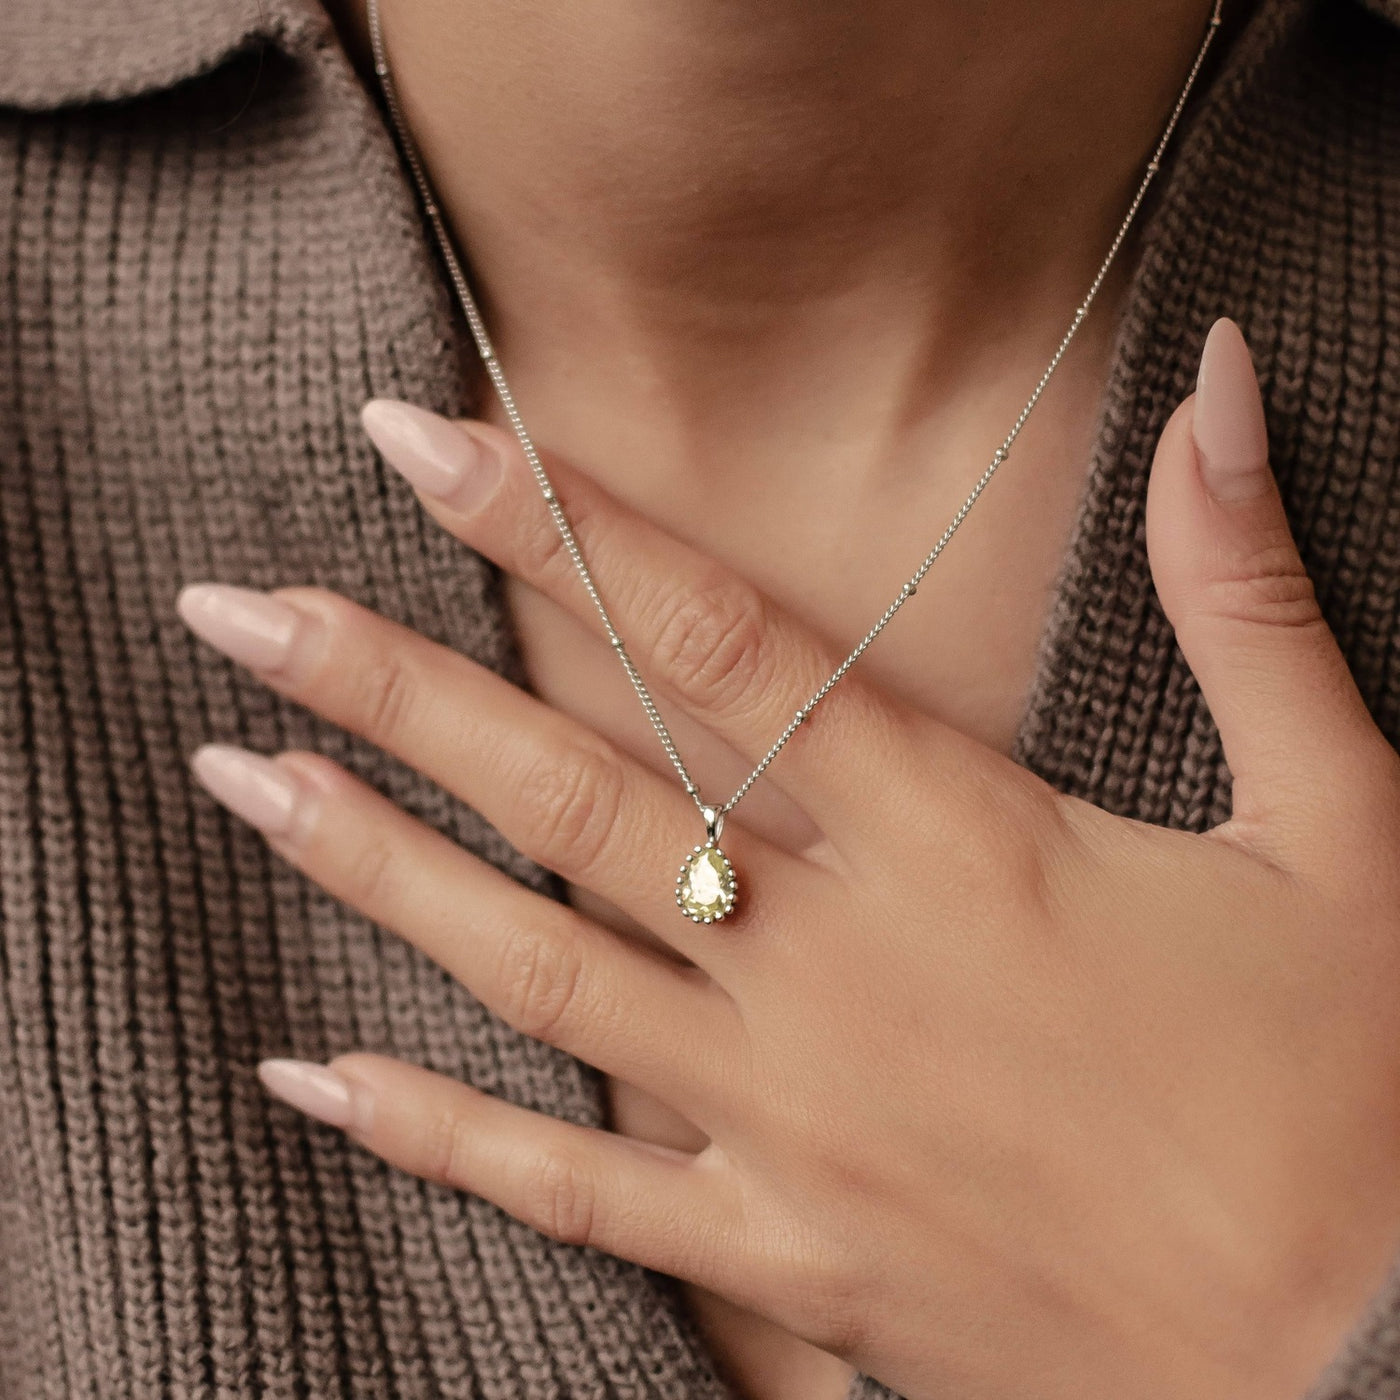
x=705, y=887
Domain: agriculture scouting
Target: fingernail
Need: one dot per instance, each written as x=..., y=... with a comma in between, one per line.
x=253, y=628
x=253, y=787
x=1232, y=441
x=433, y=454
x=317, y=1091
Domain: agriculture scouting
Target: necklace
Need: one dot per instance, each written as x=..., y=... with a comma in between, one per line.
x=706, y=887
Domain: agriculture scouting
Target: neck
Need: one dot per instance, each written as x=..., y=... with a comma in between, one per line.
x=707, y=192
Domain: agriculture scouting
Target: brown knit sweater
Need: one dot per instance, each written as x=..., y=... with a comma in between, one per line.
x=209, y=258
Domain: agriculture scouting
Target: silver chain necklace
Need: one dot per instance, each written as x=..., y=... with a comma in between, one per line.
x=706, y=886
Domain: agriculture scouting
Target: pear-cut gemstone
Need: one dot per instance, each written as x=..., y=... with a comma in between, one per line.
x=705, y=890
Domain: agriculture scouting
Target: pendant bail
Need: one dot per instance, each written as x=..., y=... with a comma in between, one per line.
x=714, y=823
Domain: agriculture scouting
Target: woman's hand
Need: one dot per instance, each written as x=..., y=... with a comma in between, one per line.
x=1005, y=1096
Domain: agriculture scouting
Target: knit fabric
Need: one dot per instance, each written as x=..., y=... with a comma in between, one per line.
x=210, y=256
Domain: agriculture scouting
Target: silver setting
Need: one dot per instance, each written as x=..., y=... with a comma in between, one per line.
x=728, y=885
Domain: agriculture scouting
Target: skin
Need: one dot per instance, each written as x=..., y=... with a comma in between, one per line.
x=904, y=232
x=738, y=228
x=1122, y=1095
x=742, y=228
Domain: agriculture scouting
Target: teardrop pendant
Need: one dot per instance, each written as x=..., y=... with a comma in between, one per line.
x=705, y=887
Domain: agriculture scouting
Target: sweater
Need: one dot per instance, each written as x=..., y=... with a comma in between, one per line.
x=210, y=256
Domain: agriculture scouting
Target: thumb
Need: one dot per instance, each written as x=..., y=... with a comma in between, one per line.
x=1295, y=730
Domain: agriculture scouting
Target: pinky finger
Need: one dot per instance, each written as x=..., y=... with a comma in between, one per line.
x=658, y=1207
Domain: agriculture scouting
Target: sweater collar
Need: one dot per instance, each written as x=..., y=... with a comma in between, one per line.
x=60, y=52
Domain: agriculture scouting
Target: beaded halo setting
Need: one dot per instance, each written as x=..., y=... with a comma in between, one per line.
x=705, y=887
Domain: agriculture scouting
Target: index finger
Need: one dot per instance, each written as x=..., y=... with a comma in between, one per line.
x=725, y=652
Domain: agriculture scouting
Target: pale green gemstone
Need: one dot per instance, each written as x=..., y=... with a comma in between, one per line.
x=707, y=884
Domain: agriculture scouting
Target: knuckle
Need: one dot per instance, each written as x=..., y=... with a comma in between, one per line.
x=807, y=1271
x=386, y=695
x=830, y=1303
x=709, y=641
x=571, y=800
x=838, y=1322
x=370, y=876
x=1269, y=585
x=538, y=979
x=447, y=1158
x=543, y=556
x=1040, y=859
x=560, y=1200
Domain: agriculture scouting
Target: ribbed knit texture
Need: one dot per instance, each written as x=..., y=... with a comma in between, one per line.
x=209, y=258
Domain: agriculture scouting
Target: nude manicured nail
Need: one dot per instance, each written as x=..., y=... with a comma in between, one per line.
x=253, y=628
x=317, y=1091
x=253, y=787
x=1232, y=441
x=433, y=454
